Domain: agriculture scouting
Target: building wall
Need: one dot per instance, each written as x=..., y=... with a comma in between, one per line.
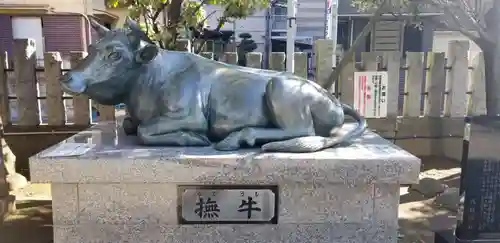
x=5, y=34
x=428, y=35
x=61, y=33
x=75, y=6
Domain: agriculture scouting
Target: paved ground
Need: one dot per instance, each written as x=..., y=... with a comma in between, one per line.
x=32, y=222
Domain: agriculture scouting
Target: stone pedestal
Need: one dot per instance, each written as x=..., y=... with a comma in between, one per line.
x=117, y=191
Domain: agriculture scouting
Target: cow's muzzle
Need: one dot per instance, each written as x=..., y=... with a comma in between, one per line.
x=72, y=83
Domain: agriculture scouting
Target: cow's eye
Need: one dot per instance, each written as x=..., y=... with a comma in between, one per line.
x=114, y=55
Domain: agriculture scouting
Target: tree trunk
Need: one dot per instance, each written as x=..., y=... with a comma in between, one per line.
x=492, y=60
x=174, y=17
x=492, y=79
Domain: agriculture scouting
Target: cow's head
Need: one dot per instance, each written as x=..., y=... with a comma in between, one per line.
x=106, y=73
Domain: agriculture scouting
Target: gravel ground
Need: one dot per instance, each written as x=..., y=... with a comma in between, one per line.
x=418, y=214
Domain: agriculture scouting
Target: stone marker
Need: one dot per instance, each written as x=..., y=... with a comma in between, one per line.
x=449, y=199
x=106, y=188
x=479, y=219
x=429, y=187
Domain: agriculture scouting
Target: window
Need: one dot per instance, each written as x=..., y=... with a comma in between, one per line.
x=279, y=10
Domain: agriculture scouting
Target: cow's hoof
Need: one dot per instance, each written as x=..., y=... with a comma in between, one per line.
x=129, y=127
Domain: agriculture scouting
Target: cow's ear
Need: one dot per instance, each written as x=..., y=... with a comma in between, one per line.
x=146, y=53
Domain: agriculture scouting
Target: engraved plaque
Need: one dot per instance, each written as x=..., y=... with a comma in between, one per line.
x=481, y=181
x=227, y=204
x=481, y=215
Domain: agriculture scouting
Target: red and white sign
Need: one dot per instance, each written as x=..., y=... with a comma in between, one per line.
x=370, y=94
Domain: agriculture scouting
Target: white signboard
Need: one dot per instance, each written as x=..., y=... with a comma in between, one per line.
x=370, y=94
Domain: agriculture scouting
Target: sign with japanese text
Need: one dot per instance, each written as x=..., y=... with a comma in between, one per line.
x=228, y=204
x=370, y=94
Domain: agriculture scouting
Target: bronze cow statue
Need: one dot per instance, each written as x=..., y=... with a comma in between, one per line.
x=183, y=99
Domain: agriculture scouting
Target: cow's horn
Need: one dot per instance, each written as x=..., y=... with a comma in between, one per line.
x=132, y=24
x=136, y=29
x=101, y=30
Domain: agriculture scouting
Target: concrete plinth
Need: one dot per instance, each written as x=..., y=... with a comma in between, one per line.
x=118, y=191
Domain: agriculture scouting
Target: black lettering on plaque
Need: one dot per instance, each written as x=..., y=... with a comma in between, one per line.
x=248, y=206
x=482, y=199
x=207, y=209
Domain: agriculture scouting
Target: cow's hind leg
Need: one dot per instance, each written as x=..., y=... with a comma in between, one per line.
x=178, y=138
x=289, y=112
x=254, y=135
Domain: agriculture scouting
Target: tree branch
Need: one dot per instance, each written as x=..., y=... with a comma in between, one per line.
x=222, y=21
x=359, y=40
x=458, y=23
x=174, y=17
x=159, y=10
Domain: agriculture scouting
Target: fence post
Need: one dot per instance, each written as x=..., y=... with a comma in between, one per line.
x=55, y=104
x=323, y=50
x=477, y=87
x=209, y=55
x=456, y=81
x=301, y=67
x=26, y=87
x=346, y=82
x=392, y=62
x=4, y=91
x=434, y=84
x=413, y=84
x=230, y=58
x=182, y=45
x=254, y=60
x=277, y=61
x=81, y=103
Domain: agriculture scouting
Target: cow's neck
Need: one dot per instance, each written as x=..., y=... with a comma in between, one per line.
x=146, y=85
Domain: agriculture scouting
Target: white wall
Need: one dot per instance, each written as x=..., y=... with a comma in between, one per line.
x=77, y=6
x=442, y=39
x=29, y=27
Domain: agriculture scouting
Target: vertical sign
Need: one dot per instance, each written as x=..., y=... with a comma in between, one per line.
x=370, y=94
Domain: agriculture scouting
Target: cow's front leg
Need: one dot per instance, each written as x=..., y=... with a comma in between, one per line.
x=168, y=132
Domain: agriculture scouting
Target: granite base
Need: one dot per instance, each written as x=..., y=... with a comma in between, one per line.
x=116, y=191
x=290, y=233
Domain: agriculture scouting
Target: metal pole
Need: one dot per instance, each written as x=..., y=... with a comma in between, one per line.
x=290, y=34
x=331, y=19
x=267, y=44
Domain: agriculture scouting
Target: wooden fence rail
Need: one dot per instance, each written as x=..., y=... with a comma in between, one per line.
x=424, y=110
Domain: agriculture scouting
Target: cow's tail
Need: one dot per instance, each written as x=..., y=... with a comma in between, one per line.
x=316, y=143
